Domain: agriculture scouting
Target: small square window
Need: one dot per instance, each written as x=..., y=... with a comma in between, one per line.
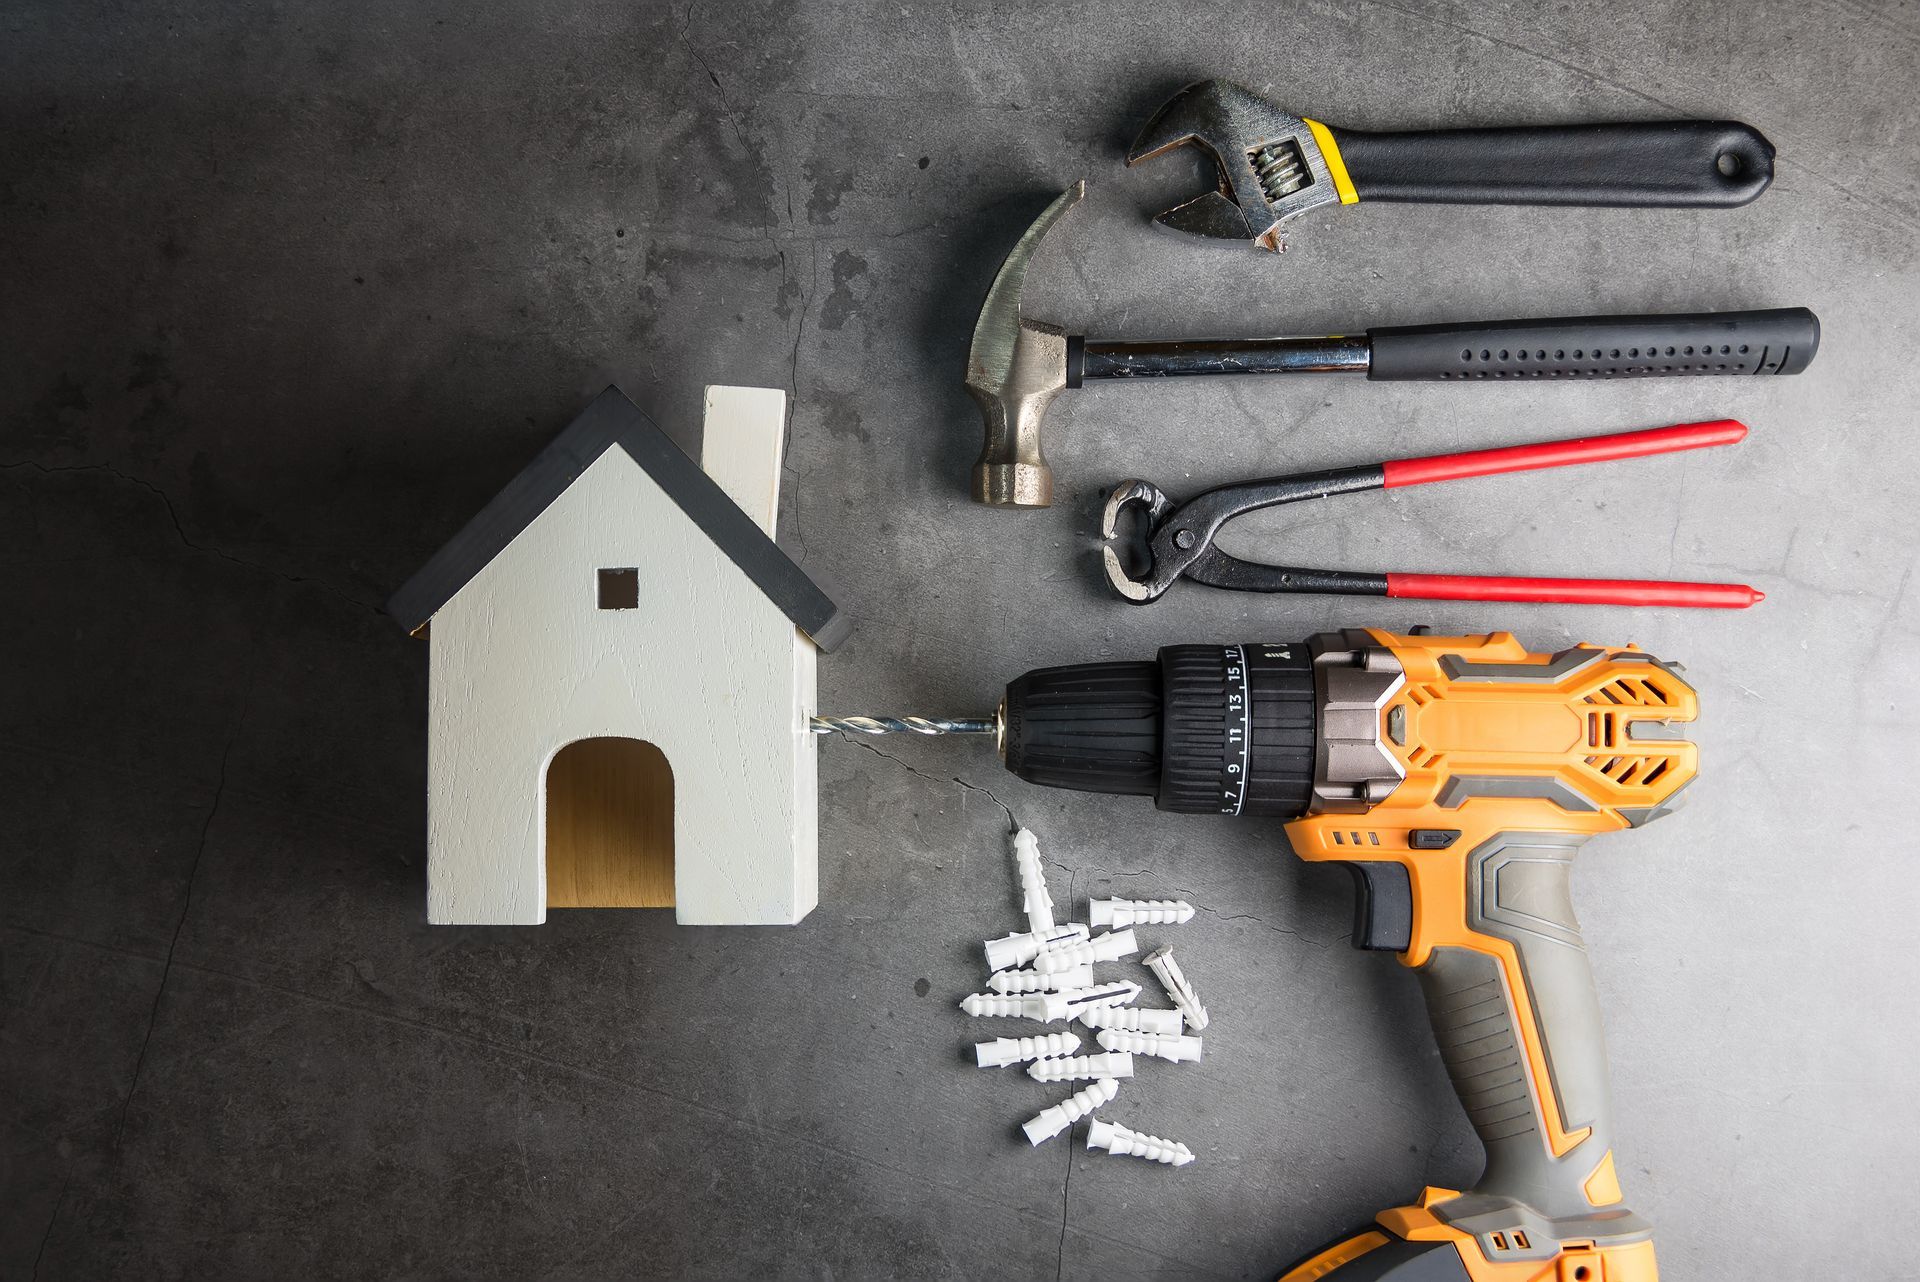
x=620, y=589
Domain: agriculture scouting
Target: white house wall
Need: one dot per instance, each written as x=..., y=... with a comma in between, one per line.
x=707, y=669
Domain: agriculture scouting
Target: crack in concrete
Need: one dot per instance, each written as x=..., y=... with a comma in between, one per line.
x=787, y=279
x=726, y=107
x=180, y=531
x=52, y=1220
x=1066, y=1188
x=732, y=118
x=1261, y=921
x=186, y=906
x=1013, y=824
x=793, y=377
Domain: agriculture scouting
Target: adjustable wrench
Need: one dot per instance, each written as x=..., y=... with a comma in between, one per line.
x=1274, y=166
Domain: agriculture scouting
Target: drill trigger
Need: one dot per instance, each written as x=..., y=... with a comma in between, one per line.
x=1382, y=906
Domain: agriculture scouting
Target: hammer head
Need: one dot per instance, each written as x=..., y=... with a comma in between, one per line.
x=1270, y=164
x=1014, y=370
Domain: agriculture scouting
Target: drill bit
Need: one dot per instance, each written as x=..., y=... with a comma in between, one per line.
x=906, y=725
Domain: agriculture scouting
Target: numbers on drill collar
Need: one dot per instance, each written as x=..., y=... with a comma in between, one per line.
x=1239, y=731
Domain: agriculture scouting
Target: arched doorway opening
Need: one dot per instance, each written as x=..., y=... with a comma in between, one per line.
x=609, y=825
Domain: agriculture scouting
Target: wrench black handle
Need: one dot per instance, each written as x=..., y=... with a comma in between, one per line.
x=1778, y=341
x=1670, y=164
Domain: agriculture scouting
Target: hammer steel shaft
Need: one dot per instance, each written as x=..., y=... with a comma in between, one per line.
x=1173, y=358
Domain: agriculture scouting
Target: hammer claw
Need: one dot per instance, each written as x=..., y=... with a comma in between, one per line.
x=1015, y=368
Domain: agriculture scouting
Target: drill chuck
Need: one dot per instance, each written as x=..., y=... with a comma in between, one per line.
x=1202, y=729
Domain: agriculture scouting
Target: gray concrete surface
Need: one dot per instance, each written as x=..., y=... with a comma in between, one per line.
x=286, y=292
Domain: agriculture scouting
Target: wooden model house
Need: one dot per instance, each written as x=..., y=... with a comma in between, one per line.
x=620, y=681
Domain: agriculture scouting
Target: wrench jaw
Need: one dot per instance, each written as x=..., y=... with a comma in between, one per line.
x=1126, y=495
x=1209, y=214
x=1269, y=163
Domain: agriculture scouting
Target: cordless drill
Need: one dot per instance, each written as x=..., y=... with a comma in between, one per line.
x=1455, y=777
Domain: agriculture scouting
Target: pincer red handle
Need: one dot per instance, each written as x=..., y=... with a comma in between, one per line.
x=1544, y=454
x=1469, y=587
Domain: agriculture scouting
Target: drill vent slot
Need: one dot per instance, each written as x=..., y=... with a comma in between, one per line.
x=1632, y=692
x=1602, y=729
x=1280, y=168
x=1351, y=838
x=1503, y=1241
x=1634, y=770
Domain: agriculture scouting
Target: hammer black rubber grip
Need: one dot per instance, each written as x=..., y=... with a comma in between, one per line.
x=1779, y=341
x=1686, y=163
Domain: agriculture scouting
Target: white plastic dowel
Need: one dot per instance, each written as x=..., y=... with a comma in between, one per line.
x=1049, y=1122
x=1048, y=1008
x=1113, y=914
x=1159, y=1045
x=1017, y=950
x=1032, y=981
x=1160, y=961
x=1033, y=882
x=1109, y=947
x=1074, y=1067
x=1002, y=1051
x=1123, y=1142
x=1134, y=1019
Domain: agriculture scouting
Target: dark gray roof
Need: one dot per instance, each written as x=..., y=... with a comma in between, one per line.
x=612, y=420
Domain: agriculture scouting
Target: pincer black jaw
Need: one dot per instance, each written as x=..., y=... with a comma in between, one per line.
x=1269, y=163
x=1144, y=500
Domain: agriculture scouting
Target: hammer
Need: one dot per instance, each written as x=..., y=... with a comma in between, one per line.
x=1017, y=365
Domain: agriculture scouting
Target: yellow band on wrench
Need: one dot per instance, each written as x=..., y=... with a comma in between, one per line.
x=1330, y=151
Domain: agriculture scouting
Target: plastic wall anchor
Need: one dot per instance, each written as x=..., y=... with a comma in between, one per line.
x=1109, y=947
x=1002, y=1051
x=1032, y=981
x=1074, y=1067
x=1133, y=1019
x=1159, y=1045
x=1111, y=914
x=1048, y=1008
x=1049, y=1122
x=1017, y=950
x=1033, y=881
x=1117, y=993
x=1122, y=1142
x=1160, y=961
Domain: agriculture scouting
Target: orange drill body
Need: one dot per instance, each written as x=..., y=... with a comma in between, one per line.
x=1473, y=770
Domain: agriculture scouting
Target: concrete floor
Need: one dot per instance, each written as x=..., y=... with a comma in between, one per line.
x=287, y=292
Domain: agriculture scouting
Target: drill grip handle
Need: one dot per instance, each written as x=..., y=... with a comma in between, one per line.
x=1517, y=1018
